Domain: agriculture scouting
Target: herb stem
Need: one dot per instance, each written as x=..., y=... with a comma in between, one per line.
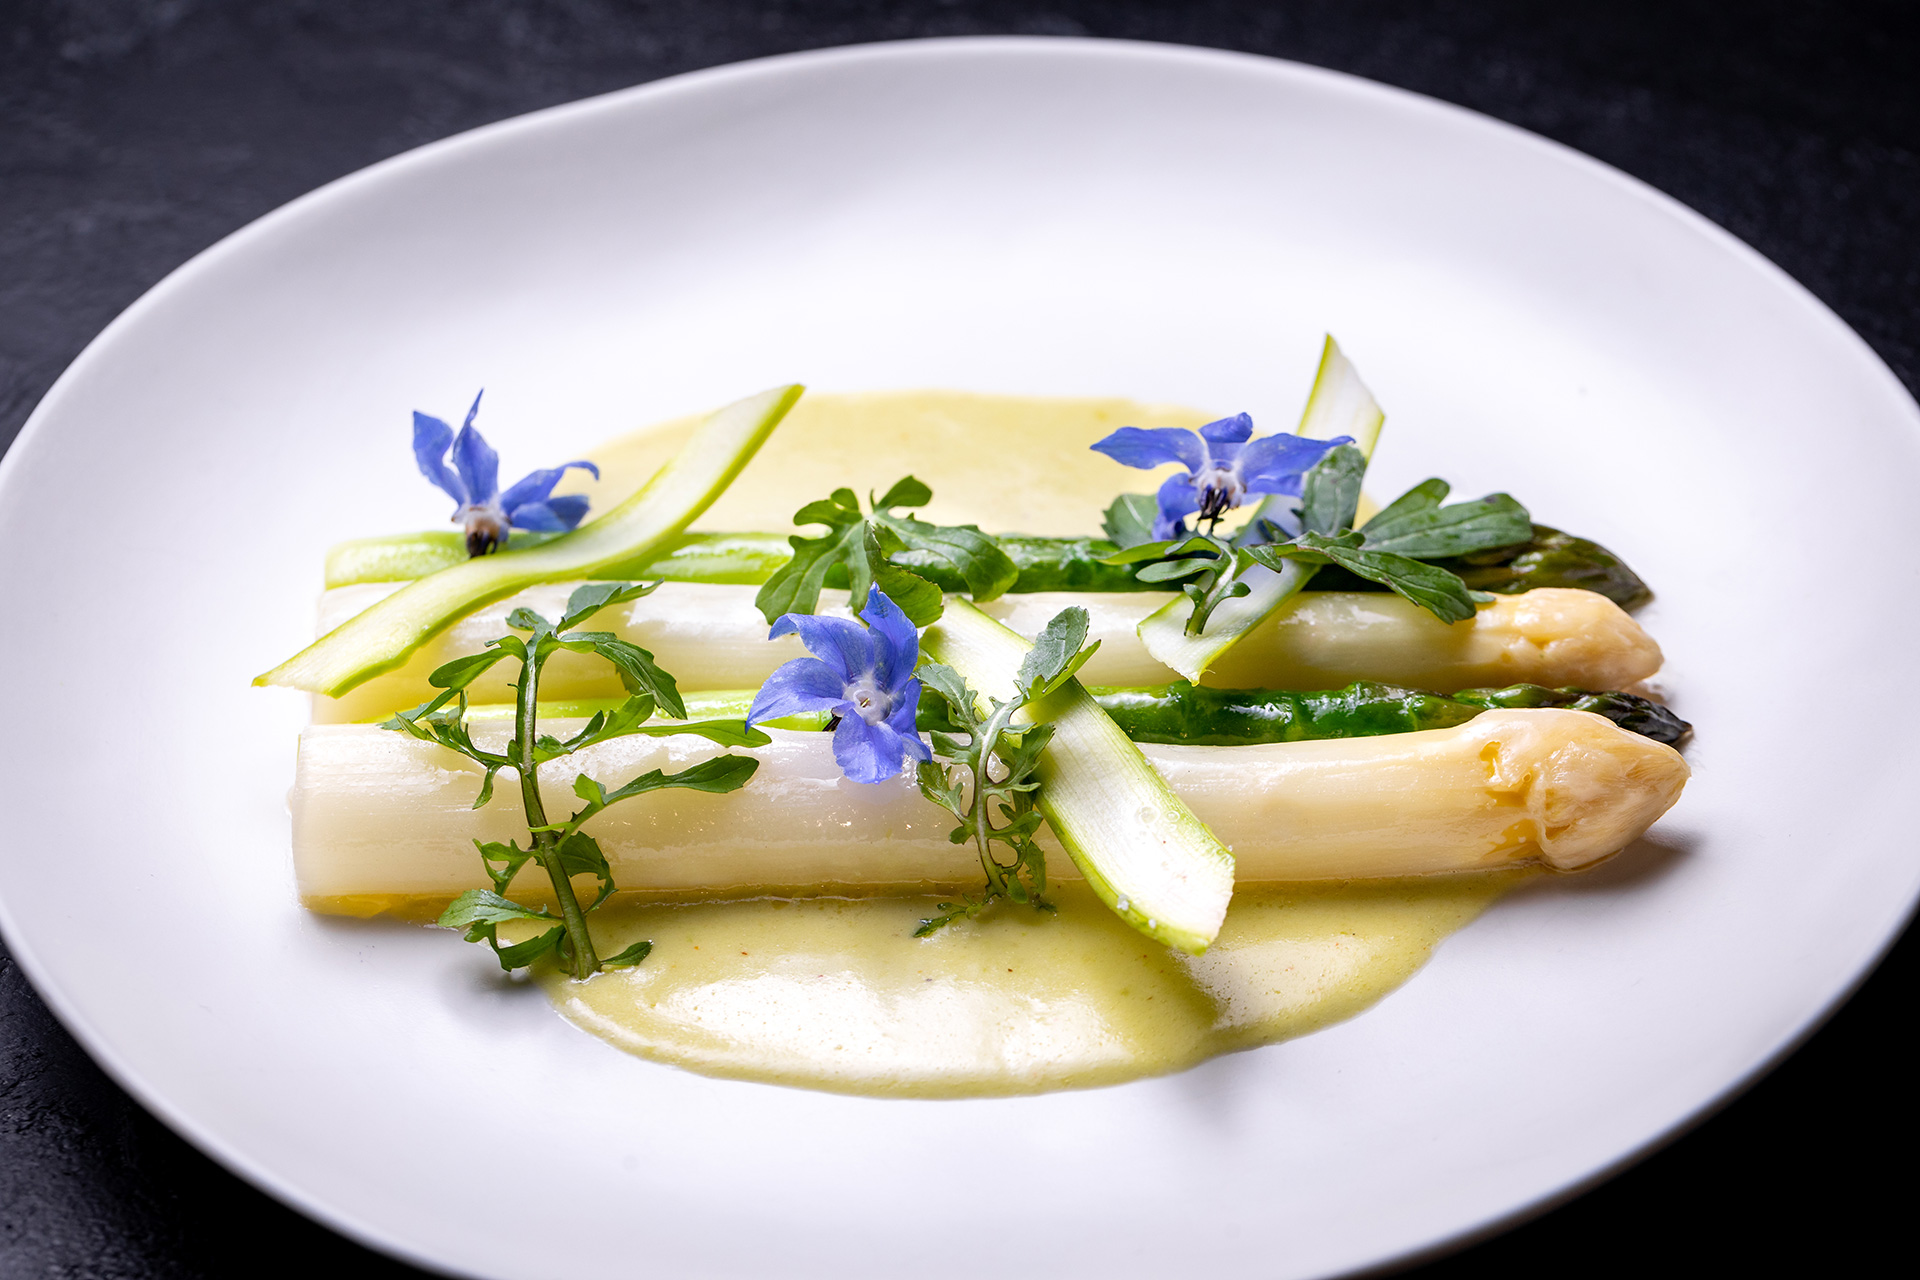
x=586, y=961
x=982, y=779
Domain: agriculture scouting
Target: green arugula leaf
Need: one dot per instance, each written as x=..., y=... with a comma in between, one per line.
x=522, y=954
x=1056, y=655
x=1174, y=570
x=983, y=566
x=727, y=733
x=638, y=672
x=482, y=906
x=511, y=858
x=580, y=855
x=1129, y=521
x=946, y=682
x=718, y=776
x=919, y=599
x=906, y=492
x=1434, y=589
x=589, y=599
x=1193, y=544
x=1330, y=491
x=633, y=955
x=795, y=586
x=865, y=547
x=462, y=672
x=525, y=619
x=1416, y=525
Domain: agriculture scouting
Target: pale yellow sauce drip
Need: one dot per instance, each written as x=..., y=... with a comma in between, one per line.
x=836, y=993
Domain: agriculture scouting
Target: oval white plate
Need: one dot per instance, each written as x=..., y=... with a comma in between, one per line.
x=1004, y=215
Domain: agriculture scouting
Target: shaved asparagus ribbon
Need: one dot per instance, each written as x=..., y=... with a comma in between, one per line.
x=1138, y=844
x=380, y=638
x=1339, y=405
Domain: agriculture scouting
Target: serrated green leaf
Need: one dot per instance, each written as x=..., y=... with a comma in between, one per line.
x=1129, y=521
x=796, y=585
x=920, y=600
x=727, y=733
x=462, y=672
x=865, y=547
x=1176, y=547
x=1434, y=589
x=638, y=672
x=1057, y=647
x=1175, y=570
x=633, y=955
x=717, y=776
x=906, y=492
x=510, y=857
x=525, y=619
x=592, y=597
x=522, y=954
x=946, y=682
x=483, y=906
x=983, y=566
x=1330, y=492
x=1416, y=525
x=580, y=855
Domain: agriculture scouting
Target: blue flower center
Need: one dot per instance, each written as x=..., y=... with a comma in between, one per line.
x=485, y=524
x=1221, y=490
x=872, y=702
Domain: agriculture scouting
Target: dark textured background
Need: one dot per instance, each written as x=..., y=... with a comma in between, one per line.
x=134, y=133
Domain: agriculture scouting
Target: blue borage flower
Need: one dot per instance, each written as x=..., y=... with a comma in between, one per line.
x=1222, y=466
x=474, y=484
x=863, y=676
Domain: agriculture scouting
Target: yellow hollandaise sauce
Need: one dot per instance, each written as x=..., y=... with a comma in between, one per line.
x=837, y=993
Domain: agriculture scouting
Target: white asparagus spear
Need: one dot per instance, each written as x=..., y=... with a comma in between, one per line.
x=712, y=637
x=380, y=819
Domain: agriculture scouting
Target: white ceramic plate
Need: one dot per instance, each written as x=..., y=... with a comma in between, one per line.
x=1004, y=215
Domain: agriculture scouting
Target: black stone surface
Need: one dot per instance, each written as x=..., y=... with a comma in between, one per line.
x=134, y=133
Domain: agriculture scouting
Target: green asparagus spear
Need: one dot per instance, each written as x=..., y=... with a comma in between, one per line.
x=1182, y=714
x=1197, y=716
x=1551, y=559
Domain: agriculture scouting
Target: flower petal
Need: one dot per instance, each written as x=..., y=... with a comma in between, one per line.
x=868, y=752
x=570, y=507
x=805, y=684
x=841, y=643
x=1228, y=430
x=537, y=516
x=1275, y=464
x=1178, y=499
x=555, y=515
x=896, y=640
x=1149, y=447
x=903, y=721
x=536, y=485
x=476, y=460
x=430, y=440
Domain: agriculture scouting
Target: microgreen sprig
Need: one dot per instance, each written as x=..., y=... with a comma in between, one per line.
x=984, y=769
x=864, y=546
x=1319, y=530
x=562, y=849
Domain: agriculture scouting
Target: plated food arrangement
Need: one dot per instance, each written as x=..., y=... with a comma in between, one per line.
x=900, y=803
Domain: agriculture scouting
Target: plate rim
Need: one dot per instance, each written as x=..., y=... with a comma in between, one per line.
x=315, y=202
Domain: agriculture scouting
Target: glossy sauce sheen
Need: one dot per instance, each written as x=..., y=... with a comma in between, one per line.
x=836, y=993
